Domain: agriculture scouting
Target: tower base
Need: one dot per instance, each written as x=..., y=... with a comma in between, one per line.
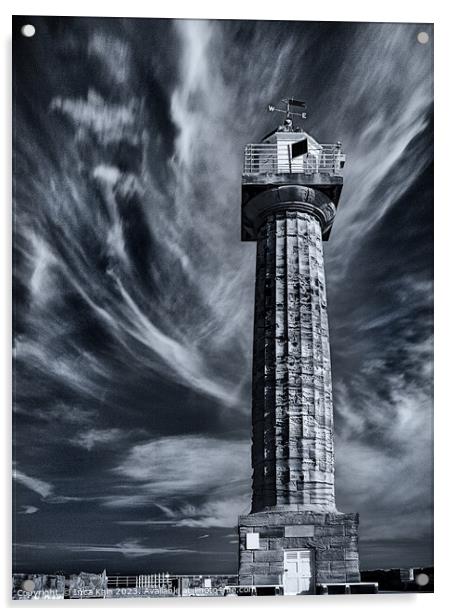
x=298, y=549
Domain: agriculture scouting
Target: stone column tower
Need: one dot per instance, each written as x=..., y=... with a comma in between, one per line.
x=294, y=535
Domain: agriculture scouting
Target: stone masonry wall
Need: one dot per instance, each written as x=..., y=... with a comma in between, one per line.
x=332, y=537
x=292, y=451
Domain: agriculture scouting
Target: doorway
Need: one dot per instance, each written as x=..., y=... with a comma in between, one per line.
x=298, y=572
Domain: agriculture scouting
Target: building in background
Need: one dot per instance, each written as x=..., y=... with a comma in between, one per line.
x=87, y=585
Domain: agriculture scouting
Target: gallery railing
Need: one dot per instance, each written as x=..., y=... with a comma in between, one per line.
x=277, y=158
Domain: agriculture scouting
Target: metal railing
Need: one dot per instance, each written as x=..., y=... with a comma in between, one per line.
x=270, y=158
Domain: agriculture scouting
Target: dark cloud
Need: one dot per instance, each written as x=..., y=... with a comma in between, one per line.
x=133, y=295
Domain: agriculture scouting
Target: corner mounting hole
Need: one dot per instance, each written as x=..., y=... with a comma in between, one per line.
x=28, y=585
x=28, y=30
x=422, y=579
x=423, y=38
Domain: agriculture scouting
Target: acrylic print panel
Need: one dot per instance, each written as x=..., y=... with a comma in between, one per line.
x=176, y=363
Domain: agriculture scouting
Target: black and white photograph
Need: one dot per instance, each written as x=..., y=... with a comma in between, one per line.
x=222, y=277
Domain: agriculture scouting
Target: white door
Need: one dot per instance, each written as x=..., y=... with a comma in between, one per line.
x=297, y=572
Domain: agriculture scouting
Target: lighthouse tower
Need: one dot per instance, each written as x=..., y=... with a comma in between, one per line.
x=293, y=536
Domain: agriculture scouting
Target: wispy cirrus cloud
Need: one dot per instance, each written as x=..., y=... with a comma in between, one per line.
x=97, y=437
x=109, y=123
x=28, y=510
x=200, y=482
x=118, y=125
x=132, y=548
x=214, y=512
x=43, y=488
x=117, y=61
x=186, y=465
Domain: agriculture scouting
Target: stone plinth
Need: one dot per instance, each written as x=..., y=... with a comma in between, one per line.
x=332, y=539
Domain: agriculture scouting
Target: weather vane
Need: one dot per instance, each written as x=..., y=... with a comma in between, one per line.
x=289, y=103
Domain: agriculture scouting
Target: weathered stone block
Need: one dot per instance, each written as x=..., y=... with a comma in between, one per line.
x=276, y=568
x=265, y=579
x=269, y=556
x=353, y=575
x=330, y=530
x=330, y=555
x=299, y=530
x=246, y=556
x=351, y=530
x=335, y=541
x=338, y=564
x=318, y=543
x=294, y=543
x=323, y=576
x=254, y=568
x=269, y=532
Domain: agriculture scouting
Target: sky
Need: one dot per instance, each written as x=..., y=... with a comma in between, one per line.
x=133, y=294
